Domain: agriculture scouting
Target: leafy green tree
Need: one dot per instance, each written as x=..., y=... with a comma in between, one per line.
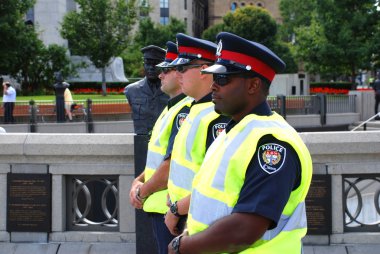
x=341, y=37
x=149, y=33
x=211, y=32
x=256, y=24
x=11, y=29
x=295, y=13
x=37, y=63
x=100, y=30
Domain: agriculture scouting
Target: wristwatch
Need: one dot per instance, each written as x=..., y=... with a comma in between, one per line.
x=138, y=194
x=175, y=244
x=174, y=209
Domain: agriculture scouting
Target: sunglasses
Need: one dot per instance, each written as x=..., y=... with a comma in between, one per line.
x=184, y=68
x=223, y=79
x=167, y=70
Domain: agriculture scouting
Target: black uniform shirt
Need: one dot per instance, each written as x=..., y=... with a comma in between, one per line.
x=177, y=122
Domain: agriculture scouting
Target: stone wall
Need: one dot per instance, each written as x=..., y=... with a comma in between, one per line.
x=335, y=153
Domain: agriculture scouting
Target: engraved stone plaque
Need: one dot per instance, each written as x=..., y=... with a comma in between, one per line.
x=28, y=202
x=318, y=206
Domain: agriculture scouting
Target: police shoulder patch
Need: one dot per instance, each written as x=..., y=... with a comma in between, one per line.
x=179, y=119
x=217, y=129
x=271, y=157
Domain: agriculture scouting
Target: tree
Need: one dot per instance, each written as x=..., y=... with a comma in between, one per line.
x=149, y=33
x=255, y=24
x=35, y=63
x=11, y=30
x=295, y=13
x=340, y=39
x=100, y=30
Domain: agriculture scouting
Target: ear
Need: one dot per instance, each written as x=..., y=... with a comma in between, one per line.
x=253, y=85
x=203, y=76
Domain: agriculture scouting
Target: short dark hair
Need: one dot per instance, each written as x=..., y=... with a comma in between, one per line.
x=7, y=84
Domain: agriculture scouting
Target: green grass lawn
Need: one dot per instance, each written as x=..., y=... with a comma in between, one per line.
x=75, y=97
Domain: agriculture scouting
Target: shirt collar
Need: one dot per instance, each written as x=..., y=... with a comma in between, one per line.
x=175, y=100
x=262, y=109
x=206, y=98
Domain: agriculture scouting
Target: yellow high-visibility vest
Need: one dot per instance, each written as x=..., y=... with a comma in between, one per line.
x=189, y=149
x=217, y=185
x=157, y=147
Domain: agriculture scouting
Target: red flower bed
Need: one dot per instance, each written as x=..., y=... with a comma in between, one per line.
x=328, y=90
x=97, y=90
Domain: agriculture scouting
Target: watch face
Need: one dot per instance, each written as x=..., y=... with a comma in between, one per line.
x=173, y=208
x=175, y=243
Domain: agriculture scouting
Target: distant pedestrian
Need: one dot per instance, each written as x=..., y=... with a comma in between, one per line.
x=9, y=99
x=376, y=87
x=68, y=102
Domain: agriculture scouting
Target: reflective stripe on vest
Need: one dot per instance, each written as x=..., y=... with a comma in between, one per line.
x=220, y=209
x=218, y=183
x=156, y=152
x=189, y=149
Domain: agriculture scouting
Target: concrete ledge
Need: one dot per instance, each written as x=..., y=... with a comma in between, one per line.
x=79, y=144
x=88, y=237
x=12, y=144
x=29, y=169
x=35, y=237
x=316, y=240
x=352, y=168
x=325, y=250
x=97, y=169
x=355, y=238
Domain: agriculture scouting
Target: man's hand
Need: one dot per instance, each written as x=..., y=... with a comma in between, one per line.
x=170, y=248
x=132, y=194
x=171, y=222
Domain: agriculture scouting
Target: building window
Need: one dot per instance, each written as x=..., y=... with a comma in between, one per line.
x=30, y=16
x=164, y=3
x=164, y=20
x=71, y=5
x=242, y=4
x=144, y=8
x=185, y=4
x=233, y=6
x=185, y=20
x=260, y=5
x=164, y=12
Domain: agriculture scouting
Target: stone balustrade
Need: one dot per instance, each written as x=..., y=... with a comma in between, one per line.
x=339, y=154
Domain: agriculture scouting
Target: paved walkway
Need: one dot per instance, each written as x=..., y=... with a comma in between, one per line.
x=129, y=248
x=67, y=248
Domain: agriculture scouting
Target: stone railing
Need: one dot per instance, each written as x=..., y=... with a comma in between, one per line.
x=109, y=158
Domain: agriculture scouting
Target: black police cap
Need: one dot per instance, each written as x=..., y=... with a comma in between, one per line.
x=238, y=55
x=153, y=52
x=190, y=48
x=171, y=55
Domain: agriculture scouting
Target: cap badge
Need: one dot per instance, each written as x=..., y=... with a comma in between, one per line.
x=219, y=48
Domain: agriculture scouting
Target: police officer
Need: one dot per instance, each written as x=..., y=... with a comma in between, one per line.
x=145, y=96
x=249, y=194
x=199, y=129
x=149, y=190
